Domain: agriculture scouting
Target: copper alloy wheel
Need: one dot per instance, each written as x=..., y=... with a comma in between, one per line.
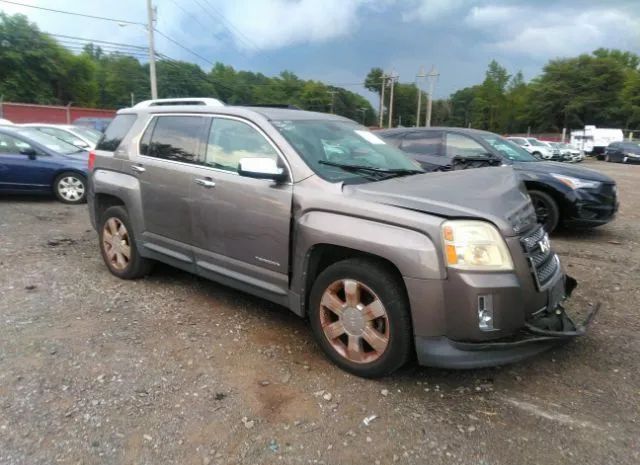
x=116, y=244
x=354, y=321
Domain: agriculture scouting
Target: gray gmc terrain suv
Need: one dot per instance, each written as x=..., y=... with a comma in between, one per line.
x=314, y=212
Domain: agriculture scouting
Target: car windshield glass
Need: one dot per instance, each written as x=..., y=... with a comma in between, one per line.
x=507, y=148
x=88, y=133
x=345, y=151
x=537, y=143
x=48, y=141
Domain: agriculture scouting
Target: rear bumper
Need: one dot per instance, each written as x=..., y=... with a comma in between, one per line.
x=540, y=333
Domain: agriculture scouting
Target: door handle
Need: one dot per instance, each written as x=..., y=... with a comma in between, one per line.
x=138, y=168
x=206, y=182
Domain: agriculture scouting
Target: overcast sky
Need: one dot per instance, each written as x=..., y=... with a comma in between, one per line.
x=339, y=41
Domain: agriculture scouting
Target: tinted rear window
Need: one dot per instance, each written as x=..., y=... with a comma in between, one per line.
x=116, y=131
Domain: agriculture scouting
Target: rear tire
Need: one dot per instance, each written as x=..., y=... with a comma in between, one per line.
x=70, y=187
x=360, y=316
x=547, y=210
x=118, y=245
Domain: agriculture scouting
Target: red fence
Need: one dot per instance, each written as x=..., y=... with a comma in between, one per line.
x=29, y=113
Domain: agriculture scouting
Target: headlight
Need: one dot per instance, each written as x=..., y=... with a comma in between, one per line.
x=634, y=155
x=575, y=183
x=475, y=245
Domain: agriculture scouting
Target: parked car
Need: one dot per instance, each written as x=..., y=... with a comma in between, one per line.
x=316, y=213
x=5, y=122
x=82, y=137
x=99, y=124
x=32, y=162
x=568, y=153
x=536, y=148
x=562, y=194
x=623, y=152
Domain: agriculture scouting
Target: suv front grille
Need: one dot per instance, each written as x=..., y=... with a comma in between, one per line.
x=544, y=263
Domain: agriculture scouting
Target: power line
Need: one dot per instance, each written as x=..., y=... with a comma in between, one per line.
x=96, y=41
x=195, y=18
x=103, y=18
x=226, y=23
x=184, y=48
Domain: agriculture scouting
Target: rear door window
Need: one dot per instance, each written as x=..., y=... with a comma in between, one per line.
x=116, y=132
x=423, y=143
x=176, y=138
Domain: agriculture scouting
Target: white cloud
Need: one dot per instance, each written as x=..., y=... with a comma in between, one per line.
x=557, y=32
x=430, y=10
x=271, y=24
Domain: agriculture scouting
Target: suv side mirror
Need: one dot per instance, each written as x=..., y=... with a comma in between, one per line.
x=30, y=152
x=261, y=168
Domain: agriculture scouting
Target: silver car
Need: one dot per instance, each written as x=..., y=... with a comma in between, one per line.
x=316, y=213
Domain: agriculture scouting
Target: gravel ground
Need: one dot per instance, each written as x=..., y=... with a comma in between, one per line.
x=174, y=369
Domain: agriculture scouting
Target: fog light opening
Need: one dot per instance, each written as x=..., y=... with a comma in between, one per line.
x=485, y=312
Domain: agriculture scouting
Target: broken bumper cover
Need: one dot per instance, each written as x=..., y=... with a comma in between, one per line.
x=544, y=330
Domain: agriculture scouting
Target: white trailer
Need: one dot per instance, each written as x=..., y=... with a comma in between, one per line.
x=592, y=140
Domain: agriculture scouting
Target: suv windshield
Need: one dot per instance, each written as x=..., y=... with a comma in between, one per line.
x=507, y=148
x=52, y=143
x=341, y=150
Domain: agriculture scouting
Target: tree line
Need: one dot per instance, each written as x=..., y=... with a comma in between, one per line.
x=36, y=68
x=601, y=88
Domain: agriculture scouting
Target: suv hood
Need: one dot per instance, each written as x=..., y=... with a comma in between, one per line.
x=493, y=194
x=548, y=167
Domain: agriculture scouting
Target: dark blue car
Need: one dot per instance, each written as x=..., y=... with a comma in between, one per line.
x=32, y=162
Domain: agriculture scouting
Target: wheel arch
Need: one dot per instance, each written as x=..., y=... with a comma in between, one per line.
x=555, y=195
x=108, y=188
x=324, y=238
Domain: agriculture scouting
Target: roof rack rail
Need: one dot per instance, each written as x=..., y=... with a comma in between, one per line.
x=271, y=105
x=161, y=102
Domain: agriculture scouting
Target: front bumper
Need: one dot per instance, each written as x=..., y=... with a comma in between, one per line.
x=542, y=331
x=591, y=207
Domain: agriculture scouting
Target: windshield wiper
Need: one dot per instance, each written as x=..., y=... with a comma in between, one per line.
x=385, y=173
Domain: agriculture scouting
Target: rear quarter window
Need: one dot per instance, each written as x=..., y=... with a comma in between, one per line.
x=116, y=132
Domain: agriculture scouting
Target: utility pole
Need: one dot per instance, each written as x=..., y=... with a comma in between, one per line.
x=421, y=74
x=432, y=75
x=132, y=99
x=381, y=114
x=333, y=99
x=151, y=13
x=392, y=79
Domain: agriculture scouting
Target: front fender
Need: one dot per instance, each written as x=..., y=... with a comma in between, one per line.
x=412, y=252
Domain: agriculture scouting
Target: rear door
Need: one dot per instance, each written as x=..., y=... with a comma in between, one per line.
x=165, y=163
x=241, y=226
x=426, y=147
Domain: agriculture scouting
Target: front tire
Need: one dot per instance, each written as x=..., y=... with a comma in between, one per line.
x=71, y=188
x=547, y=210
x=359, y=314
x=118, y=245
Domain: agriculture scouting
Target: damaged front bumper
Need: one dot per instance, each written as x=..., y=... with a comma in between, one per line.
x=544, y=329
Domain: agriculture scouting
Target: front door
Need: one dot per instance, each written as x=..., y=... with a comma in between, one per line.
x=168, y=153
x=240, y=225
x=21, y=172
